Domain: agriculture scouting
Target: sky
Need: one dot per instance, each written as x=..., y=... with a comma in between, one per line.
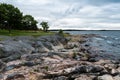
x=73, y=14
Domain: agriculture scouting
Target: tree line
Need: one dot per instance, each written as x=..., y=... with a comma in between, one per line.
x=12, y=18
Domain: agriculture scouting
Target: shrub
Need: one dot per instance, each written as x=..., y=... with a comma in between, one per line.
x=60, y=31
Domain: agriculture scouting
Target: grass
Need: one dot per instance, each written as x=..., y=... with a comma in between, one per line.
x=25, y=33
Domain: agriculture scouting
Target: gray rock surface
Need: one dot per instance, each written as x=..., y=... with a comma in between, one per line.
x=2, y=66
x=54, y=58
x=105, y=77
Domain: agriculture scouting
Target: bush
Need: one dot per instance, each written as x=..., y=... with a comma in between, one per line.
x=60, y=31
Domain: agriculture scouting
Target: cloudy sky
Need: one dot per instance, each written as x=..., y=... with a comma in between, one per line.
x=73, y=14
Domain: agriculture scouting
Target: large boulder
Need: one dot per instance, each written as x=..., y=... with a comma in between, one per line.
x=14, y=48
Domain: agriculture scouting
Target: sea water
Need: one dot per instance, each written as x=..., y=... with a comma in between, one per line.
x=110, y=40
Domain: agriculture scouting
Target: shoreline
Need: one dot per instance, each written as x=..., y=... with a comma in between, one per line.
x=56, y=57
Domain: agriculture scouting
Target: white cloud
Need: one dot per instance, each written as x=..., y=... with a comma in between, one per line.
x=69, y=14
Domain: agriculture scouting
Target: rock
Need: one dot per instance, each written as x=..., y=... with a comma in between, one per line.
x=1, y=52
x=55, y=39
x=60, y=54
x=15, y=48
x=36, y=76
x=110, y=66
x=41, y=48
x=72, y=45
x=1, y=77
x=30, y=57
x=29, y=63
x=93, y=60
x=61, y=78
x=105, y=77
x=117, y=77
x=85, y=77
x=88, y=69
x=2, y=66
x=12, y=57
x=48, y=45
x=62, y=39
x=84, y=58
x=114, y=72
x=10, y=67
x=5, y=38
x=15, y=76
x=26, y=39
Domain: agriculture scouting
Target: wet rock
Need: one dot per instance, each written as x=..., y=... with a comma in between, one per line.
x=15, y=76
x=105, y=77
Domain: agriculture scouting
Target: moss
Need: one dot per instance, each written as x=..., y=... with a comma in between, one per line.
x=87, y=55
x=36, y=70
x=46, y=68
x=1, y=39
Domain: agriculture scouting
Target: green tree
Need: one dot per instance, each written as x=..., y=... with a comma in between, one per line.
x=10, y=17
x=29, y=23
x=44, y=26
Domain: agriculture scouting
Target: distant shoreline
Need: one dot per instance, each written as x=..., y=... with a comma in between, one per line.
x=81, y=30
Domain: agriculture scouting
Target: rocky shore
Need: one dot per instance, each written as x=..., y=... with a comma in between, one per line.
x=57, y=58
